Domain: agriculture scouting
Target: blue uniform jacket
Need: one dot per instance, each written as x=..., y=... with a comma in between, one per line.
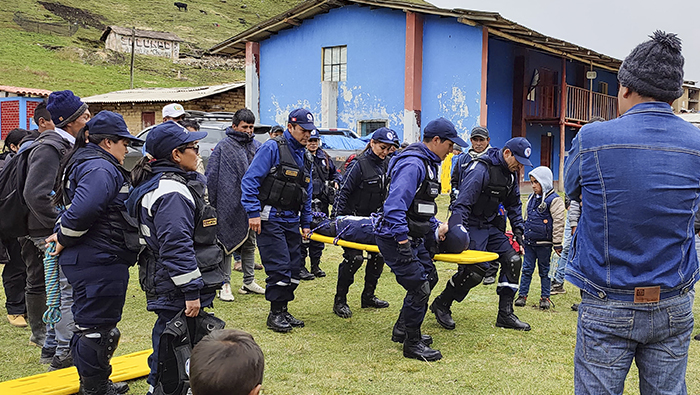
x=474, y=178
x=267, y=157
x=166, y=214
x=351, y=183
x=640, y=182
x=407, y=172
x=97, y=190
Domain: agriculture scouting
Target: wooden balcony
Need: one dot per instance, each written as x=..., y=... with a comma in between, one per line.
x=542, y=104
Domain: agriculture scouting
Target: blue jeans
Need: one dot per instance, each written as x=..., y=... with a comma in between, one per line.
x=565, y=247
x=539, y=255
x=611, y=334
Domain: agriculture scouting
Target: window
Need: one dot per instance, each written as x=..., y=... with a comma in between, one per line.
x=603, y=88
x=335, y=63
x=368, y=126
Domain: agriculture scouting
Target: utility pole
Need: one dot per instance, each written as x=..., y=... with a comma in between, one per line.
x=133, y=46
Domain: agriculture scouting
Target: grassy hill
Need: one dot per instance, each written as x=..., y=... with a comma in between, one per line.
x=38, y=55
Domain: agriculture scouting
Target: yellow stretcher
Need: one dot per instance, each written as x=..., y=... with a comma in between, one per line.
x=465, y=258
x=65, y=381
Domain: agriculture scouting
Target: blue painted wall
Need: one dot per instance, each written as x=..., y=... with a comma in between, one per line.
x=451, y=72
x=291, y=67
x=499, y=91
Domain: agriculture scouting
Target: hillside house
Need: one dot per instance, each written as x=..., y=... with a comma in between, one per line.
x=363, y=64
x=142, y=108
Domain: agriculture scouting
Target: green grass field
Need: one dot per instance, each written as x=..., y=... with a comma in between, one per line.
x=356, y=356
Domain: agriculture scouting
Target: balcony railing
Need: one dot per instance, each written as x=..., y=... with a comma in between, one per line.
x=542, y=103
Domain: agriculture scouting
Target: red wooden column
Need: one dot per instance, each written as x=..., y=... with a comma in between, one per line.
x=413, y=77
x=483, y=112
x=252, y=78
x=562, y=125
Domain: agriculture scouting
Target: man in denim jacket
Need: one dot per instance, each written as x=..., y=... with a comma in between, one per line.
x=633, y=252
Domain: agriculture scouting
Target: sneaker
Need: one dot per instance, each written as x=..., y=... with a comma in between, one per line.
x=251, y=288
x=238, y=266
x=521, y=301
x=47, y=355
x=225, y=293
x=546, y=303
x=17, y=320
x=60, y=363
x=557, y=289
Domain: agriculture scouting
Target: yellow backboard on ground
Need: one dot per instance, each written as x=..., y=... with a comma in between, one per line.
x=65, y=381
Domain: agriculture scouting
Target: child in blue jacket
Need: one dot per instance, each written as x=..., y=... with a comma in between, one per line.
x=544, y=229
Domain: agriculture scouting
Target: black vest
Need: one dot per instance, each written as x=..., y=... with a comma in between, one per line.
x=285, y=186
x=207, y=251
x=370, y=198
x=423, y=207
x=501, y=182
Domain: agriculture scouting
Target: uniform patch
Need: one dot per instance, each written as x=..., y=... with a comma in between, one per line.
x=209, y=222
x=291, y=173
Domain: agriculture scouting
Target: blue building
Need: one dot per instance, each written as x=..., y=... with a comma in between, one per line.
x=364, y=64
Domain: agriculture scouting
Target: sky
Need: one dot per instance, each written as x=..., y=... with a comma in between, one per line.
x=611, y=27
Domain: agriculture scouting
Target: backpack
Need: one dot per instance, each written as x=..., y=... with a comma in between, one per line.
x=178, y=339
x=13, y=208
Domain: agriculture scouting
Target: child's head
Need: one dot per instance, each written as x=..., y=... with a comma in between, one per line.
x=226, y=362
x=536, y=186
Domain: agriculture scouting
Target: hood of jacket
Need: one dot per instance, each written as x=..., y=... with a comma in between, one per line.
x=544, y=176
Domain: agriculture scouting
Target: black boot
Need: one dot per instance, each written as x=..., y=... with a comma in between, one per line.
x=277, y=319
x=294, y=322
x=119, y=388
x=506, y=318
x=441, y=308
x=315, y=269
x=36, y=306
x=398, y=334
x=368, y=298
x=413, y=347
x=340, y=306
x=98, y=385
x=305, y=275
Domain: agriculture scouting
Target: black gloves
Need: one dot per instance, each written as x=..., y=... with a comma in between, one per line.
x=518, y=235
x=405, y=252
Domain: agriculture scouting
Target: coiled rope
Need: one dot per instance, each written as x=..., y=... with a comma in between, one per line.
x=53, y=287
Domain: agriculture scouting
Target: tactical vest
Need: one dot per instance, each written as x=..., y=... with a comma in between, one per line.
x=121, y=224
x=370, y=198
x=285, y=186
x=423, y=207
x=207, y=251
x=322, y=188
x=501, y=182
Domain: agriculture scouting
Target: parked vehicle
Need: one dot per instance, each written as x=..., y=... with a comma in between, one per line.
x=339, y=144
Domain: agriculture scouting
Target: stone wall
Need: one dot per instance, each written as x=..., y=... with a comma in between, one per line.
x=133, y=112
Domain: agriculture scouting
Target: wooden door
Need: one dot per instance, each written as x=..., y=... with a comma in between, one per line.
x=546, y=151
x=148, y=119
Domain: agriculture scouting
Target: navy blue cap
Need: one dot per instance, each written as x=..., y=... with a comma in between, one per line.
x=443, y=128
x=111, y=123
x=315, y=134
x=303, y=118
x=521, y=149
x=164, y=138
x=385, y=135
x=456, y=240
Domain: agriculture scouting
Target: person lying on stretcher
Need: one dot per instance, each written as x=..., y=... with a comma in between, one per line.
x=361, y=230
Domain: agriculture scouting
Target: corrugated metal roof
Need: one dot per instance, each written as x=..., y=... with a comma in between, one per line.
x=693, y=118
x=25, y=91
x=162, y=94
x=140, y=33
x=496, y=24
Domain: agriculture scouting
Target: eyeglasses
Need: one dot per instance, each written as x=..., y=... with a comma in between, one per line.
x=193, y=147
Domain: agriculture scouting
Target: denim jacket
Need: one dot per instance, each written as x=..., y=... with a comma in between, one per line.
x=639, y=177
